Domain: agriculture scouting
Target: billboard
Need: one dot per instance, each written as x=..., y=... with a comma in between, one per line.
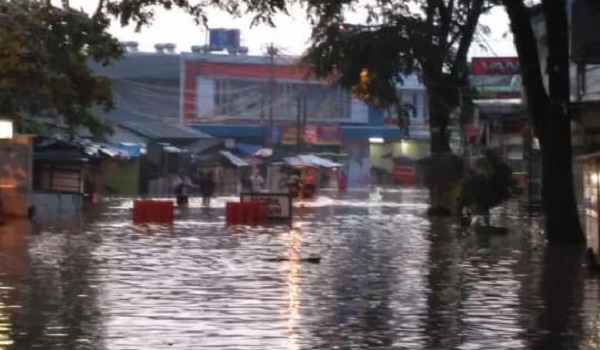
x=496, y=77
x=223, y=39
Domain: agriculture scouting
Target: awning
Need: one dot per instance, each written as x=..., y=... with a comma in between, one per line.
x=235, y=160
x=310, y=160
x=247, y=148
x=254, y=150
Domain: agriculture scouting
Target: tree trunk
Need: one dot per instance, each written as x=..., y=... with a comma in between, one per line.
x=558, y=195
x=439, y=116
x=549, y=113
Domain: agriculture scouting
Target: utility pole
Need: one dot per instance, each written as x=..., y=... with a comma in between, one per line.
x=271, y=51
x=299, y=120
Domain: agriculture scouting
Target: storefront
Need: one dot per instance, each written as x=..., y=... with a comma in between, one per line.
x=395, y=162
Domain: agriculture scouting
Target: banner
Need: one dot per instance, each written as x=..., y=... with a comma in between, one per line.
x=495, y=66
x=313, y=135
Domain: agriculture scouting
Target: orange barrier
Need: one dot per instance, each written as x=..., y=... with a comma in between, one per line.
x=147, y=211
x=246, y=213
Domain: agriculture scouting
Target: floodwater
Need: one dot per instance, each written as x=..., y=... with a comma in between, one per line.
x=389, y=278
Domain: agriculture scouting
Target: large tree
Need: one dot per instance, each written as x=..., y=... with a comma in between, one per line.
x=427, y=37
x=44, y=69
x=549, y=110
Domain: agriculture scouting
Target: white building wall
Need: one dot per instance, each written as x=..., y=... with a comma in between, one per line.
x=205, y=97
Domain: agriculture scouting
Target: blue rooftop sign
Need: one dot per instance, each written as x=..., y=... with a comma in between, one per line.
x=223, y=39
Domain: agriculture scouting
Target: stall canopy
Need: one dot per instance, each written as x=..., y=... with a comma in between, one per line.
x=235, y=160
x=311, y=161
x=254, y=150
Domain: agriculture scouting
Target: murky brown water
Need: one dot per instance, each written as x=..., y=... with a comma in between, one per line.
x=389, y=279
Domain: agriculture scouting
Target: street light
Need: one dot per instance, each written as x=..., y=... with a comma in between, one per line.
x=6, y=129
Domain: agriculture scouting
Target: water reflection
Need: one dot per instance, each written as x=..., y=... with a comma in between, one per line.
x=293, y=281
x=389, y=278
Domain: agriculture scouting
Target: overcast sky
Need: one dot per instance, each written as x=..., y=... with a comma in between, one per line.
x=291, y=34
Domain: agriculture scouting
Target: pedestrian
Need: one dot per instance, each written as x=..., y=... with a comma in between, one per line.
x=342, y=181
x=207, y=188
x=182, y=185
x=294, y=183
x=256, y=181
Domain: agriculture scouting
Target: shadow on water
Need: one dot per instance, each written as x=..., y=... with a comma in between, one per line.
x=389, y=278
x=444, y=295
x=560, y=321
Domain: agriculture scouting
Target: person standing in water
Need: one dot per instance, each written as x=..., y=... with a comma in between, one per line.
x=182, y=185
x=207, y=188
x=256, y=180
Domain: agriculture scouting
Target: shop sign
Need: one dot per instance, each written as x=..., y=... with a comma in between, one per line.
x=328, y=135
x=313, y=135
x=279, y=204
x=495, y=66
x=289, y=135
x=310, y=134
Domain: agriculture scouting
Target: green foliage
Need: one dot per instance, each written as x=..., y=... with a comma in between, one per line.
x=488, y=184
x=141, y=12
x=44, y=70
x=432, y=41
x=426, y=37
x=441, y=171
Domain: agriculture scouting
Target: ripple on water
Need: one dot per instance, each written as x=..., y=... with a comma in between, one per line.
x=389, y=279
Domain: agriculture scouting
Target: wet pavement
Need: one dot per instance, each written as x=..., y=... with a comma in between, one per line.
x=389, y=278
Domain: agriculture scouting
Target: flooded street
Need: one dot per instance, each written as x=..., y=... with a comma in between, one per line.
x=389, y=278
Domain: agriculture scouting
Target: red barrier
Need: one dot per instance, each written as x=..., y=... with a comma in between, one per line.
x=263, y=213
x=230, y=212
x=246, y=213
x=149, y=211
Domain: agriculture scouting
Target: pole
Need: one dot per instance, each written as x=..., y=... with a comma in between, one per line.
x=272, y=91
x=530, y=172
x=304, y=114
x=298, y=120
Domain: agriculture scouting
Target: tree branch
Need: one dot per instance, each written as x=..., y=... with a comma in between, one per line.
x=468, y=31
x=445, y=22
x=99, y=7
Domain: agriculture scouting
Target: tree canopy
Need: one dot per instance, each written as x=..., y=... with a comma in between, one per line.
x=44, y=70
x=141, y=12
x=428, y=37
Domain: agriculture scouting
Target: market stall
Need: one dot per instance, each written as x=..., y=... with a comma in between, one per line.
x=304, y=174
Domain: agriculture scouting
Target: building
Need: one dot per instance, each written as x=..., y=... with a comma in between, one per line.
x=264, y=100
x=275, y=102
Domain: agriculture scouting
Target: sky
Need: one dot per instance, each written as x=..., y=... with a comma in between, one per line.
x=291, y=34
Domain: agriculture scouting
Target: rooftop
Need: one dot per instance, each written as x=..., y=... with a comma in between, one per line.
x=159, y=130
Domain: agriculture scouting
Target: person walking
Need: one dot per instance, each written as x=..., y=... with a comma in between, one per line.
x=207, y=188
